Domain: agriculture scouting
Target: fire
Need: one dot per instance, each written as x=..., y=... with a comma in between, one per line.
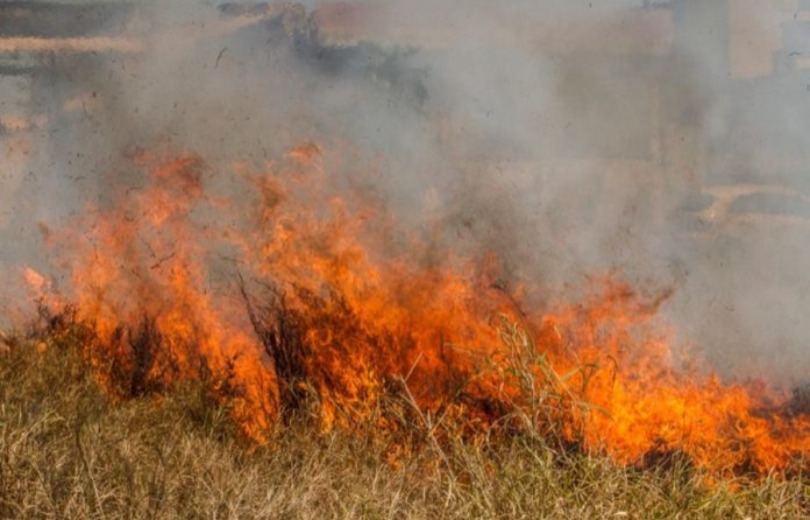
x=652, y=408
x=283, y=292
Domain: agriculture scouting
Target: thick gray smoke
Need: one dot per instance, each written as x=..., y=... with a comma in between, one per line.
x=663, y=141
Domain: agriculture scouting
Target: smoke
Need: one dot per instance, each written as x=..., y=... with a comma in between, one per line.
x=567, y=137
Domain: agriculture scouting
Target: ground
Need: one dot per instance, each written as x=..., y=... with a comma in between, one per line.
x=68, y=450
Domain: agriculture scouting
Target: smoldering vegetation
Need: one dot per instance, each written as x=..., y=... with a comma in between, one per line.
x=502, y=129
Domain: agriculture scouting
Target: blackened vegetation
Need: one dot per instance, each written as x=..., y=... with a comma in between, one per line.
x=17, y=70
x=668, y=460
x=363, y=60
x=50, y=325
x=136, y=362
x=145, y=346
x=281, y=332
x=800, y=401
x=243, y=9
x=366, y=61
x=306, y=374
x=59, y=20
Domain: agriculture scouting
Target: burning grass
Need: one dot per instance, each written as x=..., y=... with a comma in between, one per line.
x=281, y=303
x=70, y=449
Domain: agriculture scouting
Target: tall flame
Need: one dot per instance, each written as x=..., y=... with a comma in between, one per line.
x=284, y=290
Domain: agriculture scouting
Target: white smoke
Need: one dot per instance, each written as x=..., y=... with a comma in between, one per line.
x=568, y=137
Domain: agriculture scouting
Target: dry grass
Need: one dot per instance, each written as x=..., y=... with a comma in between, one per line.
x=68, y=451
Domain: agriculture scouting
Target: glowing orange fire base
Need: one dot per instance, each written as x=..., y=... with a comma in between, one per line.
x=286, y=301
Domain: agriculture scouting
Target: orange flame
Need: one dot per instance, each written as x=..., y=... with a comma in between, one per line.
x=347, y=319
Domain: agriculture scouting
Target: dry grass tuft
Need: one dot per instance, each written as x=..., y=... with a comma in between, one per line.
x=68, y=450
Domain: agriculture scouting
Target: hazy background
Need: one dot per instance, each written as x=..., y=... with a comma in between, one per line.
x=664, y=142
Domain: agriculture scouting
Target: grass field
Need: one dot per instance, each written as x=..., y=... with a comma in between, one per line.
x=67, y=450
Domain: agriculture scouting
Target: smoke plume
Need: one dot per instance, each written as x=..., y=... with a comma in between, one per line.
x=567, y=138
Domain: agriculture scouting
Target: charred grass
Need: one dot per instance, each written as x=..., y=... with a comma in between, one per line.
x=69, y=449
